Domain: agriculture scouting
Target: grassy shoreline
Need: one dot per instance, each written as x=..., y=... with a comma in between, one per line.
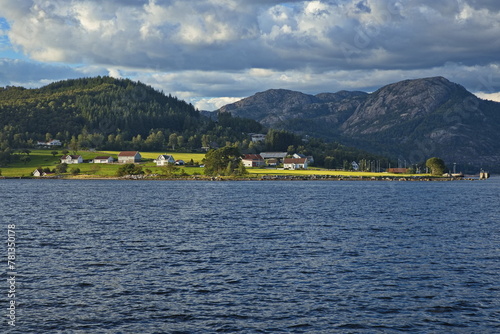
x=44, y=159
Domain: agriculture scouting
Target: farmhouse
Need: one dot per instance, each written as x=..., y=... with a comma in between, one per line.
x=128, y=157
x=72, y=159
x=294, y=163
x=253, y=160
x=164, y=159
x=103, y=160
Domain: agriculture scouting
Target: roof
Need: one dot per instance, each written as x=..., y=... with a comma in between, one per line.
x=165, y=156
x=267, y=155
x=397, y=170
x=70, y=156
x=128, y=153
x=253, y=157
x=102, y=158
x=295, y=160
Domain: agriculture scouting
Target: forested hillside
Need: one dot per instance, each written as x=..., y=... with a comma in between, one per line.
x=107, y=113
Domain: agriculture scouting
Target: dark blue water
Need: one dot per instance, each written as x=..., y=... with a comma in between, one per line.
x=253, y=257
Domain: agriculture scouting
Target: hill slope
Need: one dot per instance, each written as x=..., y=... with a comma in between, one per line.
x=411, y=120
x=108, y=113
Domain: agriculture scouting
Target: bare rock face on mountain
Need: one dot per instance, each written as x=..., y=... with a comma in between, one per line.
x=400, y=102
x=411, y=119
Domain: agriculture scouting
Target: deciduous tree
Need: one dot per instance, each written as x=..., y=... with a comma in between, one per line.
x=222, y=161
x=436, y=165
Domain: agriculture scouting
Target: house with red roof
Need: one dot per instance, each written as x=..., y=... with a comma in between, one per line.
x=129, y=157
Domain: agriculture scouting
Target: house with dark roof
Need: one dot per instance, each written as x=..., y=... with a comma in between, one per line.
x=164, y=159
x=129, y=157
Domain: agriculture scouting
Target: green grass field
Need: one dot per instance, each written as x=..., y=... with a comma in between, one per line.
x=44, y=158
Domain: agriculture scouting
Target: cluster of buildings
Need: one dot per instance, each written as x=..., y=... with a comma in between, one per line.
x=273, y=159
x=125, y=157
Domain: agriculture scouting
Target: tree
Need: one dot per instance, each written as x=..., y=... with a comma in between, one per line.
x=61, y=168
x=222, y=161
x=74, y=145
x=75, y=171
x=129, y=169
x=54, y=153
x=172, y=140
x=436, y=165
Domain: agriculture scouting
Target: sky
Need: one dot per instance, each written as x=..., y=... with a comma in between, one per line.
x=214, y=52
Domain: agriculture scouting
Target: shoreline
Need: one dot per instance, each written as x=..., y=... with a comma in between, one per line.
x=261, y=178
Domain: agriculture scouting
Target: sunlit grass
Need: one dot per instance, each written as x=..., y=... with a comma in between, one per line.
x=44, y=158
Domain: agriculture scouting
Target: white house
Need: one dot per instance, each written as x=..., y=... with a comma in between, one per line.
x=164, y=159
x=72, y=159
x=103, y=160
x=294, y=163
x=129, y=157
x=38, y=172
x=253, y=160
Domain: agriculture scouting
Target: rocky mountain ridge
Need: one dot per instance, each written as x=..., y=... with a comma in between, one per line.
x=411, y=120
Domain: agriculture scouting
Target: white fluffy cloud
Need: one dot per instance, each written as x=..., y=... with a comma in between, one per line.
x=202, y=49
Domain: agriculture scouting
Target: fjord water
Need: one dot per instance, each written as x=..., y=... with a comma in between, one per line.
x=254, y=257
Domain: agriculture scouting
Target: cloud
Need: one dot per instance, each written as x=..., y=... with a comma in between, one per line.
x=202, y=49
x=214, y=103
x=237, y=35
x=491, y=97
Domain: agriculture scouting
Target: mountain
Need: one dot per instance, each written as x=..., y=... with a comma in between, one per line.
x=410, y=120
